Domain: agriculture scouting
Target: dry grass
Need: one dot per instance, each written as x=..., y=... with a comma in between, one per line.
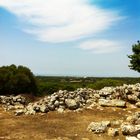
x=53, y=125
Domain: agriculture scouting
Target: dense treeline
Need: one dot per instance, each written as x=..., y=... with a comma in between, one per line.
x=16, y=79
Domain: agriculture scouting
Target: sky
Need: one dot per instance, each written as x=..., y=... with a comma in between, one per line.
x=70, y=37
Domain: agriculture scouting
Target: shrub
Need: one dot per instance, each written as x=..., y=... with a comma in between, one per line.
x=106, y=83
x=16, y=79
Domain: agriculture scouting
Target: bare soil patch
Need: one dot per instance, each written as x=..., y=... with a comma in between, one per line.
x=53, y=125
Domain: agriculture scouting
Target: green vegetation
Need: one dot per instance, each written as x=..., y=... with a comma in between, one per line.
x=15, y=80
x=48, y=85
x=135, y=57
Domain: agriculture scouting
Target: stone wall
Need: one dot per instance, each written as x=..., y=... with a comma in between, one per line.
x=74, y=100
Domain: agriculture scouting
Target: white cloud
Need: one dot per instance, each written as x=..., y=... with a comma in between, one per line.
x=100, y=46
x=62, y=20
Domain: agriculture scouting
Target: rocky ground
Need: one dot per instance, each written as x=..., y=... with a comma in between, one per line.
x=111, y=113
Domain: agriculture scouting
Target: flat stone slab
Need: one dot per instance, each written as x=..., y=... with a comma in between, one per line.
x=112, y=103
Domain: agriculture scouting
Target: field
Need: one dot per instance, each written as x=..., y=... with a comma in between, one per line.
x=53, y=125
x=64, y=126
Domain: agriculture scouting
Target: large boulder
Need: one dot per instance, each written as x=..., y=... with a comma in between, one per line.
x=30, y=109
x=56, y=103
x=132, y=98
x=51, y=107
x=106, y=91
x=134, y=119
x=44, y=109
x=129, y=129
x=71, y=104
x=112, y=103
x=98, y=127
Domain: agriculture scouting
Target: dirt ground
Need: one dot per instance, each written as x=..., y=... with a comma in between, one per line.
x=52, y=125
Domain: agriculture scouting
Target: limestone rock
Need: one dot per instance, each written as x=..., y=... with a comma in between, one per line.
x=131, y=138
x=132, y=98
x=19, y=112
x=116, y=122
x=51, y=107
x=60, y=110
x=134, y=119
x=138, y=136
x=30, y=110
x=79, y=99
x=44, y=109
x=113, y=132
x=138, y=104
x=71, y=104
x=112, y=103
x=56, y=103
x=97, y=127
x=129, y=129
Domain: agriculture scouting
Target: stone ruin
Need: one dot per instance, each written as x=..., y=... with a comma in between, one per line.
x=82, y=98
x=130, y=127
x=75, y=100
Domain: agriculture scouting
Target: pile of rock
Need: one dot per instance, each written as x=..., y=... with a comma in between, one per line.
x=129, y=93
x=98, y=127
x=73, y=100
x=129, y=128
x=103, y=127
x=61, y=100
x=13, y=102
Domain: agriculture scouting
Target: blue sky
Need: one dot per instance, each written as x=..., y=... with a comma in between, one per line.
x=69, y=37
